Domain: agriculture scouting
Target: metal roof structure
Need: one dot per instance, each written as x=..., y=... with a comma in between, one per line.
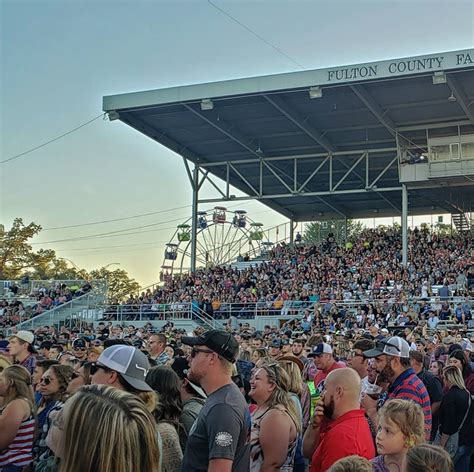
x=318, y=144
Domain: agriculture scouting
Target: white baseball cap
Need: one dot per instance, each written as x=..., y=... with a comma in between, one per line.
x=26, y=336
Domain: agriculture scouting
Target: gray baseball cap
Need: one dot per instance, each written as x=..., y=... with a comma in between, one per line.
x=129, y=362
x=394, y=346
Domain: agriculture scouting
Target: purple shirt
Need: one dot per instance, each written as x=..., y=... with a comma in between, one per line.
x=378, y=464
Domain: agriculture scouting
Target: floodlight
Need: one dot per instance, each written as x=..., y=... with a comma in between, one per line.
x=207, y=104
x=439, y=78
x=315, y=92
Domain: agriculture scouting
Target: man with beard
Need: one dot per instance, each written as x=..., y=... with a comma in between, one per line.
x=339, y=427
x=219, y=439
x=392, y=363
x=297, y=348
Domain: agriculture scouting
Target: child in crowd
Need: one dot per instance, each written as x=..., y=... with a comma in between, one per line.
x=401, y=426
x=428, y=458
x=352, y=464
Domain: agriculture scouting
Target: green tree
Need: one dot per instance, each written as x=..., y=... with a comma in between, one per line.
x=119, y=285
x=317, y=231
x=16, y=254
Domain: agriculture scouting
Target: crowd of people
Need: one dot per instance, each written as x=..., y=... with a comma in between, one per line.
x=114, y=398
x=374, y=372
x=368, y=269
x=14, y=309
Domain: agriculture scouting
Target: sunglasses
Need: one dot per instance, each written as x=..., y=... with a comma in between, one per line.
x=46, y=380
x=195, y=352
x=75, y=375
x=94, y=368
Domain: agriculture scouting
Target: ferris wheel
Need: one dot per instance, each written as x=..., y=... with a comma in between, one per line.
x=222, y=236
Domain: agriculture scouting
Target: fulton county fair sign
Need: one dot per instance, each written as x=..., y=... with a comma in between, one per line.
x=433, y=63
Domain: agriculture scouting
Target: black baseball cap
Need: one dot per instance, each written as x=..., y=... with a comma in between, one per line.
x=79, y=343
x=216, y=340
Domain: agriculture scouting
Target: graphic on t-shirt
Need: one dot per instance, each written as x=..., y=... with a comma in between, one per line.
x=223, y=439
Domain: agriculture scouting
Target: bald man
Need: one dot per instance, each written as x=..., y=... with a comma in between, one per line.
x=339, y=427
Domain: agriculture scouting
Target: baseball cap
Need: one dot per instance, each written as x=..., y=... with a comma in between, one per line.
x=26, y=336
x=276, y=343
x=394, y=346
x=216, y=340
x=79, y=343
x=129, y=362
x=319, y=349
x=181, y=366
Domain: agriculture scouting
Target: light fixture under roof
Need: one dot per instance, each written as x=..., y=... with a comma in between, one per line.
x=315, y=92
x=207, y=104
x=452, y=98
x=439, y=78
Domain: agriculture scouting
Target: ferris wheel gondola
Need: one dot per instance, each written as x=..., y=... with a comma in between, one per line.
x=222, y=236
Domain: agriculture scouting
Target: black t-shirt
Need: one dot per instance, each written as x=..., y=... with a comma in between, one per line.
x=221, y=431
x=432, y=384
x=451, y=413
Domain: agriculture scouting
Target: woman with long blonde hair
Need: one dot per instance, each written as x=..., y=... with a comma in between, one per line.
x=17, y=418
x=455, y=420
x=106, y=429
x=276, y=423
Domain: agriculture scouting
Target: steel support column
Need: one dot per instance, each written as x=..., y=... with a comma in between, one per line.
x=292, y=231
x=195, y=185
x=404, y=225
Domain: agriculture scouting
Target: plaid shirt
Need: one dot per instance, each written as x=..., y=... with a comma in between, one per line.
x=29, y=363
x=407, y=386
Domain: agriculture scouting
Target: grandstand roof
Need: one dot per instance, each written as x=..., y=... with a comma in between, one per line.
x=321, y=143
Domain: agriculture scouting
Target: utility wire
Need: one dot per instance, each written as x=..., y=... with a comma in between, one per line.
x=116, y=219
x=52, y=140
x=268, y=43
x=294, y=61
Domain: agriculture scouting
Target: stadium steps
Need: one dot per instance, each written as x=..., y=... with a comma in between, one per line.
x=70, y=311
x=462, y=221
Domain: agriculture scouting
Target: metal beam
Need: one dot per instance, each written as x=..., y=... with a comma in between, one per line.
x=303, y=185
x=404, y=225
x=386, y=168
x=297, y=120
x=195, y=206
x=267, y=165
x=374, y=107
x=298, y=156
x=309, y=194
x=208, y=178
x=353, y=166
x=460, y=96
x=224, y=128
x=244, y=180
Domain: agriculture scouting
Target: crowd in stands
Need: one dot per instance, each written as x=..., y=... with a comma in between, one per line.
x=367, y=270
x=115, y=398
x=14, y=309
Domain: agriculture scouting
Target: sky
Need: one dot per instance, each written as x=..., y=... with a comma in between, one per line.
x=59, y=58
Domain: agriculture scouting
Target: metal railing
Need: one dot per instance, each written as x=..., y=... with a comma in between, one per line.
x=293, y=308
x=67, y=312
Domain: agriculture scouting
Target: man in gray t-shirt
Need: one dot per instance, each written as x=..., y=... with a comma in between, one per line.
x=219, y=439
